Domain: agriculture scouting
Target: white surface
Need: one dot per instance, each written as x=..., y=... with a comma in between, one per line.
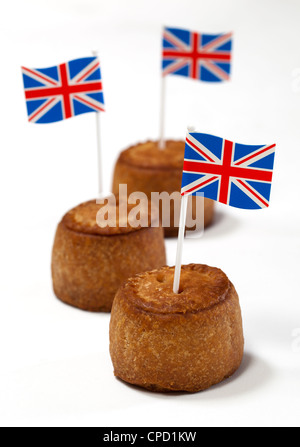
x=55, y=365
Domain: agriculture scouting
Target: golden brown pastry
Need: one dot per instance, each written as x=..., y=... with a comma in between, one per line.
x=89, y=263
x=146, y=168
x=176, y=342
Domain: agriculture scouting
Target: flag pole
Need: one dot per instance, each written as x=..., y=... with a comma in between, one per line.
x=99, y=152
x=182, y=223
x=162, y=143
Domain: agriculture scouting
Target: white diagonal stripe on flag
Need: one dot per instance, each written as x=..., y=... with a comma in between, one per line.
x=43, y=109
x=221, y=40
x=206, y=179
x=175, y=66
x=40, y=77
x=252, y=193
x=88, y=101
x=262, y=152
x=216, y=70
x=87, y=71
x=202, y=149
x=175, y=41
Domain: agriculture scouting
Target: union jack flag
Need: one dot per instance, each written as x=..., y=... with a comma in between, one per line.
x=56, y=93
x=231, y=173
x=199, y=56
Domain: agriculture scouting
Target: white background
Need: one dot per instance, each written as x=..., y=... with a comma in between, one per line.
x=55, y=364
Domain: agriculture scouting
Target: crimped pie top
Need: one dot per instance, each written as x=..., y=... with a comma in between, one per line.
x=84, y=218
x=148, y=155
x=201, y=287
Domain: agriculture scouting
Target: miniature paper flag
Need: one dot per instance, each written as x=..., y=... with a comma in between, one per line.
x=234, y=174
x=60, y=92
x=199, y=56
